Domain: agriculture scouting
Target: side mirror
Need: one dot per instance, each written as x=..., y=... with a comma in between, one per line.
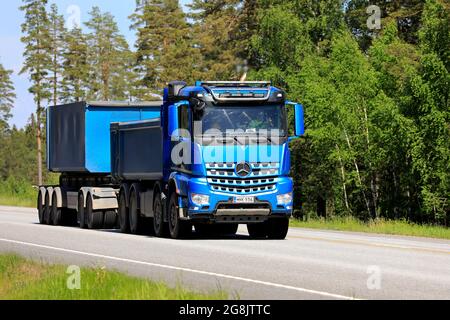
x=299, y=119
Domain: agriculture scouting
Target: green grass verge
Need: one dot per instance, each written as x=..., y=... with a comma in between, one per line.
x=22, y=279
x=15, y=201
x=391, y=227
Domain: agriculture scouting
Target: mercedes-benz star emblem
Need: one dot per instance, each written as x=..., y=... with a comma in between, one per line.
x=243, y=169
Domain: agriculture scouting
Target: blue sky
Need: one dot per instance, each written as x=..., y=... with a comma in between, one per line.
x=11, y=48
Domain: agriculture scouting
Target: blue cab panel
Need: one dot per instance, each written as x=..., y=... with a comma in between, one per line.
x=78, y=134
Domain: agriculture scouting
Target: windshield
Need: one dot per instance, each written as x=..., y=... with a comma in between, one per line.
x=244, y=120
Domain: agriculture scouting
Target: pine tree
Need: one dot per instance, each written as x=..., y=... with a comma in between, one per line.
x=37, y=56
x=7, y=95
x=107, y=47
x=164, y=47
x=216, y=30
x=75, y=66
x=57, y=34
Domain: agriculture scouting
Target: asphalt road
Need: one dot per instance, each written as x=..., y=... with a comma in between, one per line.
x=308, y=265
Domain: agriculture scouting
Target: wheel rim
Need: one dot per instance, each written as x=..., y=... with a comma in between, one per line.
x=133, y=212
x=173, y=217
x=158, y=216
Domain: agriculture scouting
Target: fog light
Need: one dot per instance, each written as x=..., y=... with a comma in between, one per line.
x=284, y=199
x=199, y=199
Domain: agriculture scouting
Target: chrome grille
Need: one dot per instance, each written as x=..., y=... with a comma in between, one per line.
x=222, y=177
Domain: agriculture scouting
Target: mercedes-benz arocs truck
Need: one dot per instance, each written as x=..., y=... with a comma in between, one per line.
x=210, y=156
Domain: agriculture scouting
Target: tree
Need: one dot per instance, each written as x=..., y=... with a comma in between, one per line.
x=164, y=48
x=75, y=67
x=37, y=62
x=57, y=34
x=406, y=14
x=216, y=30
x=7, y=95
x=107, y=48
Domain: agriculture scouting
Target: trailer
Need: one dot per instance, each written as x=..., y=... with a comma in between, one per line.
x=156, y=167
x=78, y=147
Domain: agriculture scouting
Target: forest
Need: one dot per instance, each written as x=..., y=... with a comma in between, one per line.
x=376, y=94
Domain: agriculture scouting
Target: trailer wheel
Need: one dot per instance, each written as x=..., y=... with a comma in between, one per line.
x=81, y=211
x=40, y=208
x=56, y=214
x=134, y=214
x=47, y=209
x=124, y=222
x=178, y=229
x=159, y=226
x=257, y=231
x=110, y=219
x=94, y=218
x=278, y=229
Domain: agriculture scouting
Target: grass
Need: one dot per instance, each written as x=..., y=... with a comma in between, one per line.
x=22, y=279
x=17, y=201
x=391, y=227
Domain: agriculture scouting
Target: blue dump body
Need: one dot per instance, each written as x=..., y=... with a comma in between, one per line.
x=136, y=150
x=79, y=133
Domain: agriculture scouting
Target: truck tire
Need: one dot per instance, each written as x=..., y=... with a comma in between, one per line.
x=40, y=208
x=257, y=230
x=159, y=227
x=94, y=218
x=110, y=219
x=47, y=209
x=81, y=211
x=124, y=221
x=135, y=215
x=56, y=214
x=278, y=229
x=178, y=228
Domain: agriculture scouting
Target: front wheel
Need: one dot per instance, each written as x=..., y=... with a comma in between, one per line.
x=257, y=231
x=178, y=228
x=278, y=229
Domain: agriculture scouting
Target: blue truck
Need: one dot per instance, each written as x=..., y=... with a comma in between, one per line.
x=211, y=156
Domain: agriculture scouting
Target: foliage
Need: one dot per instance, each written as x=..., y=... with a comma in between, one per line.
x=22, y=279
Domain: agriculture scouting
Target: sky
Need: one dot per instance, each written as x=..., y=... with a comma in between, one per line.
x=11, y=48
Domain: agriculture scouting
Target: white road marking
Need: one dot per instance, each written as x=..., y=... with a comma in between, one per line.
x=219, y=275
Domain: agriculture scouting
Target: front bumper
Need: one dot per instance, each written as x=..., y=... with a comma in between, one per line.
x=221, y=207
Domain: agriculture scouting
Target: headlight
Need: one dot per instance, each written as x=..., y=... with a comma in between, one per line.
x=200, y=199
x=284, y=199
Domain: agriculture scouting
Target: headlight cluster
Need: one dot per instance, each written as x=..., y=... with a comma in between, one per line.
x=200, y=199
x=284, y=199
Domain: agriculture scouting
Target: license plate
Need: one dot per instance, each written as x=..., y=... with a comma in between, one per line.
x=244, y=199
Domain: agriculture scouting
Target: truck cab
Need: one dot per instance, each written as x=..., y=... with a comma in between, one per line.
x=227, y=144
